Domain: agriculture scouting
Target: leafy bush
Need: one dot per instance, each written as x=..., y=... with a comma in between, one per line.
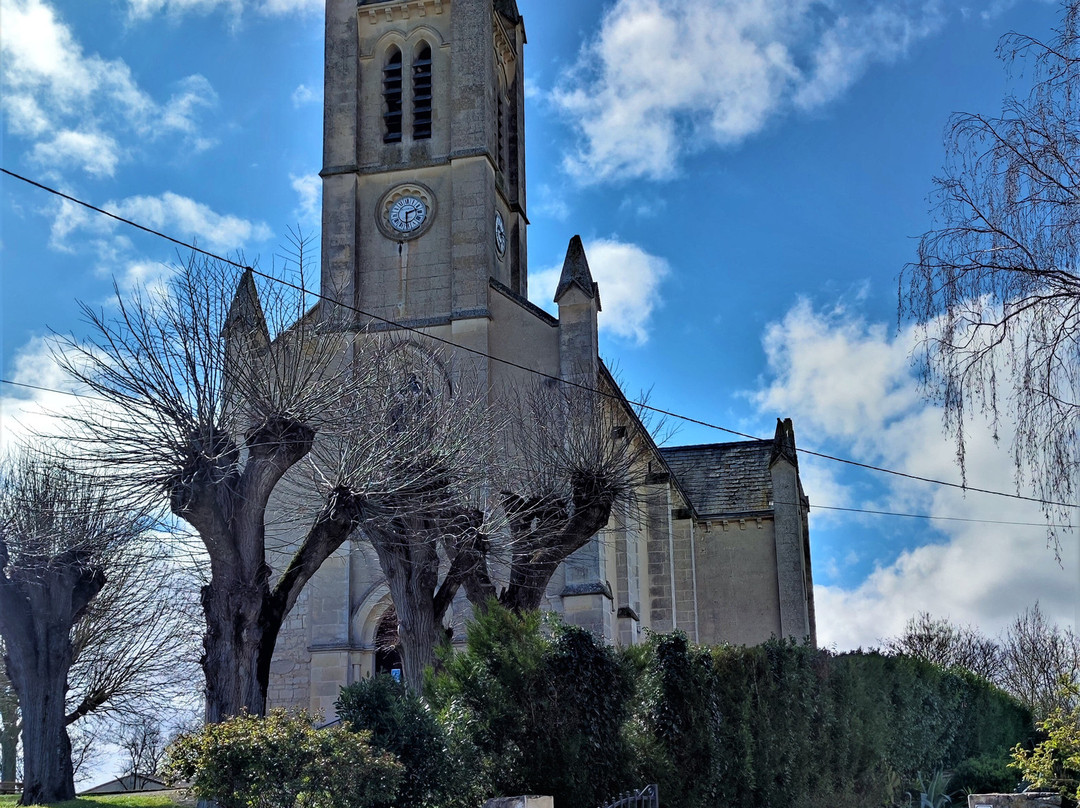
x=1054, y=762
x=987, y=774
x=282, y=761
x=545, y=704
x=402, y=725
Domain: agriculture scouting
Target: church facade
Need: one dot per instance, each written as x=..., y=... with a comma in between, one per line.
x=424, y=224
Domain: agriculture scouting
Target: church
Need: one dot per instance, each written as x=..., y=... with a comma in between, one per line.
x=424, y=224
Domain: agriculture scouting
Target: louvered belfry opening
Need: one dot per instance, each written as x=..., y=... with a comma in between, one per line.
x=422, y=94
x=392, y=86
x=500, y=134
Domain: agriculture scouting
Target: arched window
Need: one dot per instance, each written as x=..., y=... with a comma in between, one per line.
x=422, y=93
x=387, y=655
x=392, y=81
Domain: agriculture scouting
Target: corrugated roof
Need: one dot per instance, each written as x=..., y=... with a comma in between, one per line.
x=724, y=477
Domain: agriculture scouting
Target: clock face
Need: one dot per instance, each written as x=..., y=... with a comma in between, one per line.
x=408, y=214
x=500, y=233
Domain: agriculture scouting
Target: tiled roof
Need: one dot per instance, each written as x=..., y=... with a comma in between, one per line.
x=724, y=478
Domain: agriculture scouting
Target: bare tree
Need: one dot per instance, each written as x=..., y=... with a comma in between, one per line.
x=60, y=534
x=426, y=513
x=1029, y=659
x=572, y=456
x=134, y=651
x=86, y=750
x=144, y=742
x=937, y=640
x=995, y=288
x=214, y=397
x=1036, y=656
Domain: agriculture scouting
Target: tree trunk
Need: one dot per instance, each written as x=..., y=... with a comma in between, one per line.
x=244, y=614
x=234, y=646
x=528, y=585
x=36, y=619
x=9, y=734
x=48, y=775
x=9, y=745
x=410, y=563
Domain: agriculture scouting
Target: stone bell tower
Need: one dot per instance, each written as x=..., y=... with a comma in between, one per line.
x=424, y=157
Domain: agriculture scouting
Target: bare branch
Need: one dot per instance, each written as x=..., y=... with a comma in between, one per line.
x=995, y=290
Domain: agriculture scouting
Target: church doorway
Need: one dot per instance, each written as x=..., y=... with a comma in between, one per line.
x=387, y=658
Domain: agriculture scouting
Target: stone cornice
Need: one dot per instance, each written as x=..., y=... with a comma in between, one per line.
x=400, y=10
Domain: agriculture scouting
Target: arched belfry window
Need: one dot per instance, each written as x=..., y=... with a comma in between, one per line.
x=392, y=87
x=422, y=83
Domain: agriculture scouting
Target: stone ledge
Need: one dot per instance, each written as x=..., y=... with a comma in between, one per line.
x=1030, y=799
x=528, y=801
x=589, y=588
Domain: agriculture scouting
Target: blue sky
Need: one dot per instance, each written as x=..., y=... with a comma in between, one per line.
x=749, y=178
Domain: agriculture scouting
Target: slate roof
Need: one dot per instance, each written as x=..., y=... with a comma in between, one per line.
x=724, y=478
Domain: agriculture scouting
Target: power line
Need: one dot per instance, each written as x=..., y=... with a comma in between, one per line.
x=818, y=507
x=941, y=518
x=509, y=363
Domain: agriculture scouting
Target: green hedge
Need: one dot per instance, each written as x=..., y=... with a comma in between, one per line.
x=781, y=724
x=551, y=710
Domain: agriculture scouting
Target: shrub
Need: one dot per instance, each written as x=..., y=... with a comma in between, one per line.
x=551, y=710
x=1054, y=762
x=987, y=774
x=282, y=761
x=401, y=724
x=545, y=704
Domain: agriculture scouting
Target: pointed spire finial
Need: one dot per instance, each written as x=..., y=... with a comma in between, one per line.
x=784, y=443
x=576, y=272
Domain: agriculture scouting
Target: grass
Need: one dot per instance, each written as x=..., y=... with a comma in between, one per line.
x=152, y=799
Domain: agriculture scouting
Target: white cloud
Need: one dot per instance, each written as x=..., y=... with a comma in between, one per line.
x=849, y=386
x=181, y=111
x=303, y=95
x=27, y=412
x=280, y=7
x=76, y=105
x=191, y=220
x=629, y=279
x=95, y=153
x=308, y=188
x=665, y=76
x=76, y=229
x=550, y=203
x=142, y=9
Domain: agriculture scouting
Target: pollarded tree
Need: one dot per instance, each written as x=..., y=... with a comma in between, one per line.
x=213, y=398
x=573, y=456
x=426, y=511
x=62, y=534
x=996, y=289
